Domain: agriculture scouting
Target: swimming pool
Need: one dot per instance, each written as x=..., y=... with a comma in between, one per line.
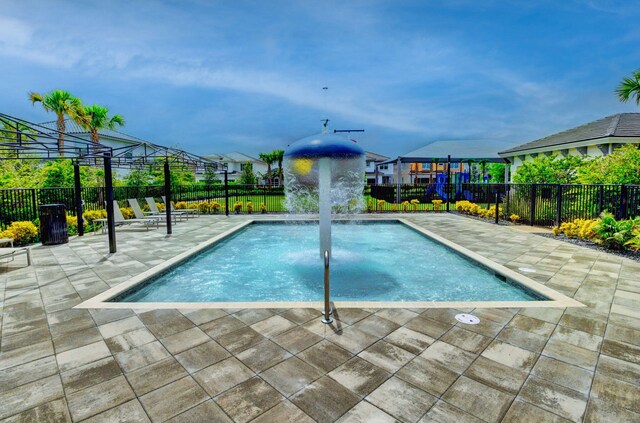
x=385, y=261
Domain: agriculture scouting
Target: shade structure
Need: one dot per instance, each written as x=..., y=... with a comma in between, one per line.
x=24, y=140
x=457, y=150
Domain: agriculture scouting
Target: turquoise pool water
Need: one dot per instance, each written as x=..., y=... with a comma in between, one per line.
x=371, y=262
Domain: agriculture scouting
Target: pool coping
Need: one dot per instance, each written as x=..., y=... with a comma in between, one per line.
x=555, y=299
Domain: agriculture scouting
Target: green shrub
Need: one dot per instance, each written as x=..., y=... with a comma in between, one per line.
x=613, y=233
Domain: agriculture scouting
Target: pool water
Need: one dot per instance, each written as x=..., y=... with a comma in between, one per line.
x=371, y=262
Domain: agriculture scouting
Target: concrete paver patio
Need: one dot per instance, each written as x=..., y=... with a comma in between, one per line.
x=58, y=363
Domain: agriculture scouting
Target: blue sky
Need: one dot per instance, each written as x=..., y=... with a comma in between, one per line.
x=220, y=76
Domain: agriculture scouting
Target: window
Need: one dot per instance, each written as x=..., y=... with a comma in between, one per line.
x=242, y=166
x=455, y=165
x=383, y=167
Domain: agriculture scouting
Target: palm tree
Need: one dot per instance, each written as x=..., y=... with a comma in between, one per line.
x=268, y=158
x=630, y=88
x=278, y=156
x=94, y=118
x=61, y=103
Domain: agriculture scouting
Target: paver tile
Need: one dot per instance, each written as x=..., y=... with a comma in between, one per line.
x=207, y=411
x=99, y=398
x=444, y=412
x=563, y=374
x=185, y=393
x=153, y=376
x=90, y=374
x=325, y=355
x=273, y=326
x=603, y=411
x=364, y=412
x=387, y=356
x=401, y=400
x=30, y=395
x=557, y=399
x=55, y=411
x=324, y=400
x=201, y=356
x=284, y=412
x=223, y=375
x=478, y=399
x=262, y=356
x=521, y=411
x=297, y=339
x=248, y=399
x=130, y=411
x=359, y=376
x=291, y=375
x=184, y=340
x=80, y=356
x=617, y=392
x=496, y=375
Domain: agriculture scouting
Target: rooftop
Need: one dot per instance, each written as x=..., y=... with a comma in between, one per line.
x=618, y=125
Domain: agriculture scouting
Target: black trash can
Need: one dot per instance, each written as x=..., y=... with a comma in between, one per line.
x=53, y=224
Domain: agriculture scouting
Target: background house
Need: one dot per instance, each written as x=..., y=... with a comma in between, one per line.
x=372, y=171
x=593, y=139
x=236, y=161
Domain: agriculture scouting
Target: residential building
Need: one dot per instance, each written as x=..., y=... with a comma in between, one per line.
x=592, y=139
x=373, y=172
x=236, y=162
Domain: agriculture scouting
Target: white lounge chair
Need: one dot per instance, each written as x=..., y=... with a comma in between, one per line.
x=195, y=212
x=137, y=211
x=119, y=219
x=10, y=252
x=155, y=211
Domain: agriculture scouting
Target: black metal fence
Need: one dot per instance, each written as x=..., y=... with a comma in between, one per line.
x=536, y=204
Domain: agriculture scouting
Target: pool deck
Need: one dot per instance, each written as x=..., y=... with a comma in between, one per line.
x=58, y=363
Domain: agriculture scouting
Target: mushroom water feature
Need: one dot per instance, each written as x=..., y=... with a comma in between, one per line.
x=324, y=173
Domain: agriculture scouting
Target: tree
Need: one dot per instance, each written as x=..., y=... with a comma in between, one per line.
x=549, y=170
x=278, y=156
x=138, y=178
x=94, y=118
x=210, y=176
x=620, y=167
x=180, y=175
x=630, y=88
x=268, y=158
x=62, y=103
x=59, y=173
x=496, y=172
x=247, y=177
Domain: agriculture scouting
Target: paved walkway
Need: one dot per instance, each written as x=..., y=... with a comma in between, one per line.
x=63, y=364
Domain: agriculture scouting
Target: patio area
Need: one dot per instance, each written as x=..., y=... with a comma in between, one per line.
x=62, y=364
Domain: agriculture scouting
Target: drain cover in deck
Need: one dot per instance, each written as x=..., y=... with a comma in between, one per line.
x=468, y=319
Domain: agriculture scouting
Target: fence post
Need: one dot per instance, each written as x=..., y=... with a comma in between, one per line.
x=167, y=196
x=532, y=218
x=623, y=202
x=448, y=186
x=78, y=197
x=497, y=205
x=601, y=200
x=506, y=193
x=226, y=193
x=559, y=206
x=34, y=203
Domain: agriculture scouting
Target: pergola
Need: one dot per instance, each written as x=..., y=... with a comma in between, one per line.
x=23, y=140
